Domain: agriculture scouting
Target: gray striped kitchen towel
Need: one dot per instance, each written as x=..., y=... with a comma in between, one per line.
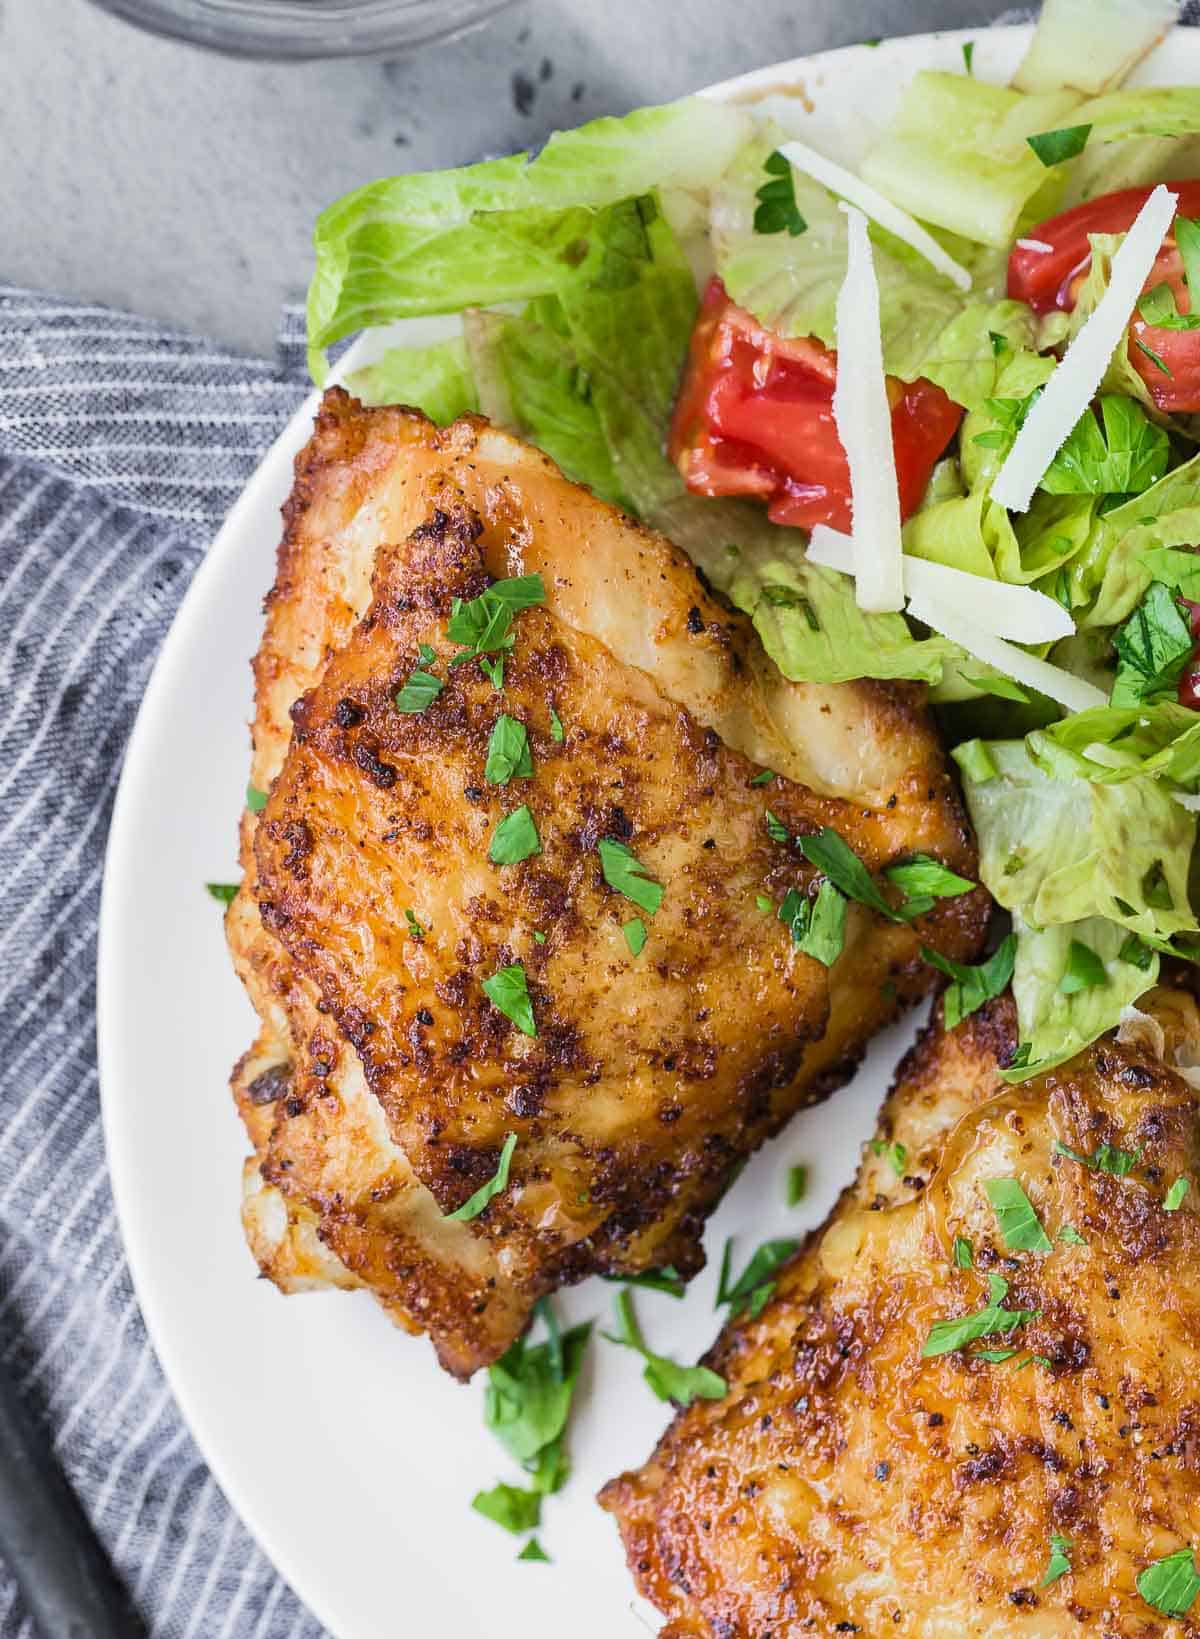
x=122, y=446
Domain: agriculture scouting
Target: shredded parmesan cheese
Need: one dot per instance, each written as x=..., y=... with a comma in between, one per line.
x=998, y=608
x=1039, y=245
x=864, y=423
x=1074, y=383
x=855, y=191
x=1070, y=691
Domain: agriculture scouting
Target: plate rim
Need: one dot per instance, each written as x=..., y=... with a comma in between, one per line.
x=116, y=1110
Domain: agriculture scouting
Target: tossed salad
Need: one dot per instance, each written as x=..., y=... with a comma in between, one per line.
x=934, y=419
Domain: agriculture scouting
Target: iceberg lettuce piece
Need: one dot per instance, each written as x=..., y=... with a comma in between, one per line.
x=1060, y=848
x=506, y=229
x=956, y=154
x=437, y=379
x=1055, y=1024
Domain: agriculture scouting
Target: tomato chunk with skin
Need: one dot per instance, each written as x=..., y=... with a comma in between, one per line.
x=754, y=416
x=1049, y=264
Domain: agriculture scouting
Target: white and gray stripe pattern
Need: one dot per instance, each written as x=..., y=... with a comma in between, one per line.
x=121, y=448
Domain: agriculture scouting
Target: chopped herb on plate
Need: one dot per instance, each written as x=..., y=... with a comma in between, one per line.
x=498, y=1182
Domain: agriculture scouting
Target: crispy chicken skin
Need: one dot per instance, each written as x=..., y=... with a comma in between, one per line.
x=396, y=1080
x=846, y=1485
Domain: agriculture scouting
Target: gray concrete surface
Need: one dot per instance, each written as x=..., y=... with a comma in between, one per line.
x=159, y=178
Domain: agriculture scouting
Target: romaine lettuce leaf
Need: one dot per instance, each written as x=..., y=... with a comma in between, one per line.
x=506, y=229
x=1060, y=848
x=791, y=284
x=436, y=379
x=956, y=154
x=1055, y=1024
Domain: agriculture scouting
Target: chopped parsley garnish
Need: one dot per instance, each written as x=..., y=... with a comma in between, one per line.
x=776, y=211
x=421, y=690
x=557, y=732
x=414, y=927
x=539, y=937
x=1019, y=1224
x=968, y=52
x=753, y=1288
x=508, y=755
x=1060, y=1560
x=534, y=1553
x=992, y=1320
x=1170, y=1584
x=818, y=925
x=1136, y=952
x=1121, y=453
x=764, y=903
x=999, y=341
x=528, y=1398
x=225, y=892
x=776, y=829
x=896, y=1154
x=1084, y=969
x=635, y=935
x=1070, y=1236
x=515, y=838
x=510, y=1506
x=472, y=1207
x=482, y=625
x=1153, y=647
x=493, y=670
x=624, y=872
x=764, y=777
x=924, y=876
x=1156, y=359
x=970, y=987
x=963, y=1255
x=667, y=1279
x=666, y=1378
x=509, y=993
x=1158, y=308
x=1104, y=1158
x=1176, y=1194
x=1187, y=238
x=796, y=1187
x=256, y=800
x=837, y=860
x=1054, y=147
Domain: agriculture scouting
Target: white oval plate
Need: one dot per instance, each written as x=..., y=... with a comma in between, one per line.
x=351, y=1457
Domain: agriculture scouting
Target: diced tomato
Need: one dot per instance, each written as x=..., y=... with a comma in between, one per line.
x=1050, y=277
x=754, y=416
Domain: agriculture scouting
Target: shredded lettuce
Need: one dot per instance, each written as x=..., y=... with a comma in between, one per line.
x=504, y=230
x=1061, y=848
x=436, y=379
x=1113, y=744
x=791, y=284
x=967, y=358
x=956, y=154
x=1055, y=1024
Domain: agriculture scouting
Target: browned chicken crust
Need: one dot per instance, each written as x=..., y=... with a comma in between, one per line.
x=396, y=1081
x=847, y=1485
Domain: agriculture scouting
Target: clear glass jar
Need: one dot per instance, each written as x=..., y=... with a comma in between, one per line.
x=299, y=29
